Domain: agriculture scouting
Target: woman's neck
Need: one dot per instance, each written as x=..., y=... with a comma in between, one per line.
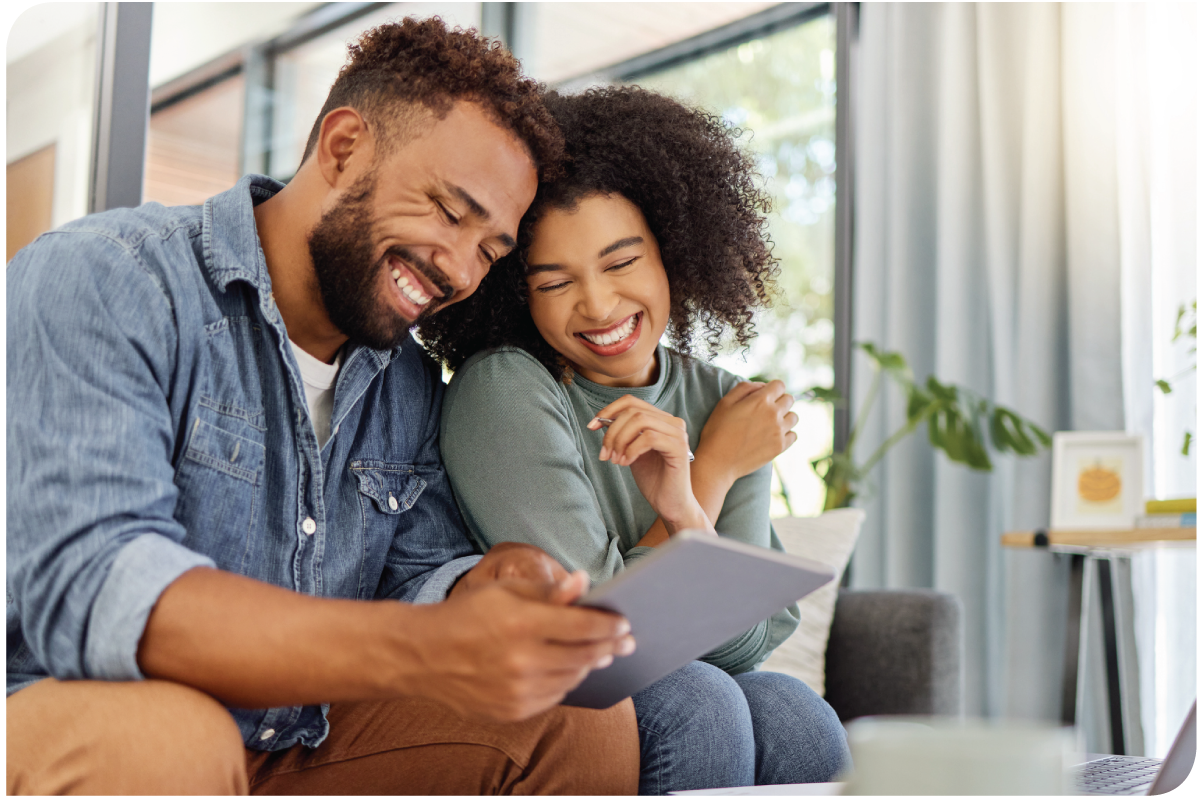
x=645, y=376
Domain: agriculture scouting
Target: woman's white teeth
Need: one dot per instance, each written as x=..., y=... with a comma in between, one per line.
x=614, y=335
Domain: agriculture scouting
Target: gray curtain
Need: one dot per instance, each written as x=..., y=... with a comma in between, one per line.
x=986, y=251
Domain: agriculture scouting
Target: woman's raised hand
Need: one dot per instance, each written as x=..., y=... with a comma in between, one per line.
x=654, y=445
x=750, y=426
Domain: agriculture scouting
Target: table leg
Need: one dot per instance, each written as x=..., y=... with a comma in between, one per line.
x=1074, y=632
x=1111, y=662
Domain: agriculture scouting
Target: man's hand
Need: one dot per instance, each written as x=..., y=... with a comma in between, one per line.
x=510, y=560
x=510, y=649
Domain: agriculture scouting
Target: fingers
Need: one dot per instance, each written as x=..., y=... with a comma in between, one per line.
x=615, y=408
x=638, y=421
x=743, y=389
x=570, y=588
x=672, y=446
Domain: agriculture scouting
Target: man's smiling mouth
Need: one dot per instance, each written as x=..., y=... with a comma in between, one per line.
x=404, y=274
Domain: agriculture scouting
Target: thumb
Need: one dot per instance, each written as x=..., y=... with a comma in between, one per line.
x=570, y=588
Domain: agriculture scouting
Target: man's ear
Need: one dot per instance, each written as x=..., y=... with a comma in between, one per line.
x=344, y=146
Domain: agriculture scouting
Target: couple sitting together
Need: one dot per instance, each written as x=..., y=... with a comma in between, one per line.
x=226, y=454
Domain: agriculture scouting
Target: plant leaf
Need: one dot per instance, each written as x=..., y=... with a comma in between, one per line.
x=891, y=362
x=830, y=395
x=1187, y=443
x=1163, y=386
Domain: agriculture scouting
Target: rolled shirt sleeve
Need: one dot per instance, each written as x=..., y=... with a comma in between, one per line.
x=91, y=540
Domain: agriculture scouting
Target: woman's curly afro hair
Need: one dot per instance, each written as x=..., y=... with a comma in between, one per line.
x=698, y=193
x=401, y=64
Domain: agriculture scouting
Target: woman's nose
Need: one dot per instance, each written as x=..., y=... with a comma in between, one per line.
x=598, y=302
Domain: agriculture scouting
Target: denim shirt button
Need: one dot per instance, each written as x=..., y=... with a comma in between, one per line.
x=266, y=734
x=309, y=526
x=392, y=503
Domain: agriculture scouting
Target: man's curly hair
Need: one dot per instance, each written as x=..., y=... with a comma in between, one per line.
x=698, y=192
x=399, y=65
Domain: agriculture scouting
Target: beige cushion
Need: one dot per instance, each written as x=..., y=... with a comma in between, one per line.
x=828, y=539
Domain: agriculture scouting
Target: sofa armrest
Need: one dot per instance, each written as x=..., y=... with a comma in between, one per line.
x=895, y=652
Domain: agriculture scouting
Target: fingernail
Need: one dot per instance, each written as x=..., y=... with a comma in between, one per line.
x=626, y=647
x=604, y=453
x=623, y=627
x=604, y=662
x=594, y=424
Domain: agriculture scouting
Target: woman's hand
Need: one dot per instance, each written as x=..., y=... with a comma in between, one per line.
x=751, y=425
x=654, y=445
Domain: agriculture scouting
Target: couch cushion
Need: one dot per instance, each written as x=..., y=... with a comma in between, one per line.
x=828, y=539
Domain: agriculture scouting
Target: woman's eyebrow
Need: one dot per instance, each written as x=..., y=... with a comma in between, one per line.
x=619, y=243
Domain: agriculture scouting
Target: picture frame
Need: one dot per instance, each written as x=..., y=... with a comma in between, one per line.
x=1096, y=482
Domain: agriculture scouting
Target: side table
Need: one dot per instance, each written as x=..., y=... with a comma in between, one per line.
x=1101, y=546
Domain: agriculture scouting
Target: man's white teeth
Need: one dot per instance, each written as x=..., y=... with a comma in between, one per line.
x=410, y=290
x=614, y=335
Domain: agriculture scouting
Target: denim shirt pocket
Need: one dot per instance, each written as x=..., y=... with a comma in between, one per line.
x=388, y=488
x=220, y=479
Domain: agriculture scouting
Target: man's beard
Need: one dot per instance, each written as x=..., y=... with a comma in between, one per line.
x=342, y=249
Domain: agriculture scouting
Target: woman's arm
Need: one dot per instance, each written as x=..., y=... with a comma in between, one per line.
x=750, y=426
x=509, y=441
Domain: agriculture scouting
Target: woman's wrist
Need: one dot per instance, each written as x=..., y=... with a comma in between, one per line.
x=693, y=518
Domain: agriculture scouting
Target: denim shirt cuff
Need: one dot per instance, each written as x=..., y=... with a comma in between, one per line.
x=443, y=579
x=141, y=571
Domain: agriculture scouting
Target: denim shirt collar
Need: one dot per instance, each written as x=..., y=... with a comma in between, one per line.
x=232, y=250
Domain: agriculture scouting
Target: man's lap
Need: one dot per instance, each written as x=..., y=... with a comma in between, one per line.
x=160, y=737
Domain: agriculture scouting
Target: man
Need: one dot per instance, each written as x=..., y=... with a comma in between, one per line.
x=222, y=444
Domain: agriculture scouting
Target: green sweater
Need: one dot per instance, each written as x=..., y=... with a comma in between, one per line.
x=524, y=467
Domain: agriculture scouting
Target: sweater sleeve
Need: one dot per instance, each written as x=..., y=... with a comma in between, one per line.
x=509, y=444
x=745, y=516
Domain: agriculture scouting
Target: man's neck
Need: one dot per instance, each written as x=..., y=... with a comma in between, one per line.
x=283, y=223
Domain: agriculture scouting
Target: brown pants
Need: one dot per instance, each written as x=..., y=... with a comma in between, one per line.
x=158, y=737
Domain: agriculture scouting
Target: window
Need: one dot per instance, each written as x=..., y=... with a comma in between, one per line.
x=193, y=147
x=780, y=89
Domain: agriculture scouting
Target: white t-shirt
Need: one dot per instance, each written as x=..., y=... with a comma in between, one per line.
x=318, y=378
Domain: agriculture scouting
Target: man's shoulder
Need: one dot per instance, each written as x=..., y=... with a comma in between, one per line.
x=152, y=240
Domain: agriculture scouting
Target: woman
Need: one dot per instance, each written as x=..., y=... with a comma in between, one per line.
x=569, y=426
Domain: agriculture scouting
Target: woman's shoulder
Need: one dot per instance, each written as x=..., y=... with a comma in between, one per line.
x=501, y=371
x=700, y=373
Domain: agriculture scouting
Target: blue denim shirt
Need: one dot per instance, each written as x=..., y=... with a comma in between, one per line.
x=157, y=422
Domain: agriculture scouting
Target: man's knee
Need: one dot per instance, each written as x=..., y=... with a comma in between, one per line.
x=149, y=737
x=585, y=751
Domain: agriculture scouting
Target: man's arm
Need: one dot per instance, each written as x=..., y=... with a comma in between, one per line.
x=506, y=650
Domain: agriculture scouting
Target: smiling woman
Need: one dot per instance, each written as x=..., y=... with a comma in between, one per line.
x=612, y=442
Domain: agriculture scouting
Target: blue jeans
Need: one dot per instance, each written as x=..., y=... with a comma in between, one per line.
x=702, y=728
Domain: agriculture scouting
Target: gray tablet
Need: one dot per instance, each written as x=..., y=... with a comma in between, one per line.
x=689, y=597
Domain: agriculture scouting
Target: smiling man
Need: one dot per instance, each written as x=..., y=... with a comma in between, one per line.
x=223, y=474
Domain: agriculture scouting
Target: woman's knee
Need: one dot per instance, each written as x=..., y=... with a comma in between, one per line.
x=798, y=736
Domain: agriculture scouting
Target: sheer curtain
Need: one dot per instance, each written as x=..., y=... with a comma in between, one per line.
x=994, y=248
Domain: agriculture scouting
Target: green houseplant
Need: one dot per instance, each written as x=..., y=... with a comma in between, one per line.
x=960, y=423
x=1185, y=325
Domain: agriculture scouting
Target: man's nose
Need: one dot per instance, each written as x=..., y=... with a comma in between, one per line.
x=457, y=267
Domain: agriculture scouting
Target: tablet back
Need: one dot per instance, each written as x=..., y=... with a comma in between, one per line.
x=689, y=597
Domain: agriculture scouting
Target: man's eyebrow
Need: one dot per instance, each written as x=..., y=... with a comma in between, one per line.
x=472, y=204
x=616, y=245
x=479, y=211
